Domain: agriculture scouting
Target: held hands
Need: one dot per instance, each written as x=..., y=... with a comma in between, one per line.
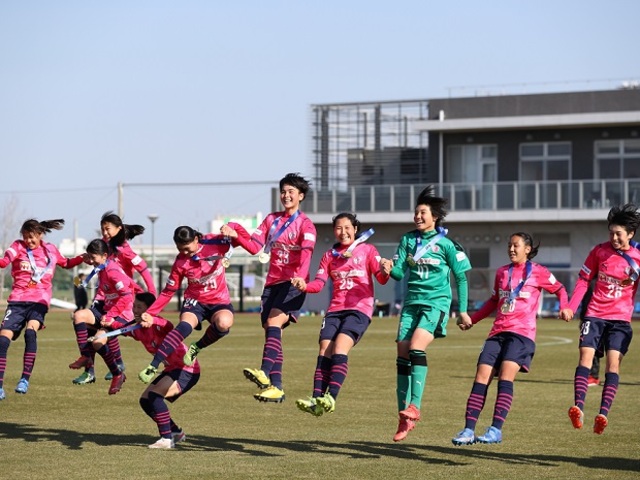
x=464, y=321
x=566, y=314
x=106, y=322
x=386, y=265
x=146, y=320
x=227, y=231
x=299, y=283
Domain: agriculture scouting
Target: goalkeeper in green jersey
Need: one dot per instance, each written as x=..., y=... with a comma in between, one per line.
x=430, y=256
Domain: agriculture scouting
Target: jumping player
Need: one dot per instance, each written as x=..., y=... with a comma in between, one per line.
x=351, y=265
x=510, y=347
x=287, y=239
x=607, y=322
x=116, y=287
x=33, y=263
x=430, y=256
x=175, y=380
x=116, y=233
x=201, y=262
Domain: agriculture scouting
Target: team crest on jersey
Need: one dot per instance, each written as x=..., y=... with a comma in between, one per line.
x=435, y=249
x=292, y=235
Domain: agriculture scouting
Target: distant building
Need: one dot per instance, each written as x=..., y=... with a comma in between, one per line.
x=550, y=164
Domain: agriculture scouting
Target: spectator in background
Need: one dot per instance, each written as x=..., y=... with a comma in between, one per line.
x=80, y=293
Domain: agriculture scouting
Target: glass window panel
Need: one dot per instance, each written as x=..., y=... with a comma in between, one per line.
x=531, y=150
x=631, y=146
x=631, y=168
x=558, y=149
x=609, y=168
x=607, y=147
x=532, y=171
x=557, y=170
x=489, y=151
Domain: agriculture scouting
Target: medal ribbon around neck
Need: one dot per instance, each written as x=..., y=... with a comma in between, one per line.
x=513, y=292
x=216, y=241
x=95, y=270
x=635, y=269
x=273, y=235
x=38, y=273
x=363, y=237
x=422, y=250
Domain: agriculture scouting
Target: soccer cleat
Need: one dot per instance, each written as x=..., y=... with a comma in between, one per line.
x=178, y=436
x=164, y=444
x=257, y=376
x=411, y=413
x=404, y=427
x=2, y=395
x=593, y=381
x=23, y=386
x=465, y=437
x=576, y=416
x=82, y=362
x=109, y=375
x=84, y=379
x=190, y=357
x=600, y=423
x=270, y=394
x=116, y=383
x=309, y=405
x=147, y=374
x=327, y=402
x=491, y=435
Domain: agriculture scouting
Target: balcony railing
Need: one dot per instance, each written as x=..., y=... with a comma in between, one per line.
x=495, y=196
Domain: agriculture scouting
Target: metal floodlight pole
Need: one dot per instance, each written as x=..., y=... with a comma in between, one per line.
x=153, y=217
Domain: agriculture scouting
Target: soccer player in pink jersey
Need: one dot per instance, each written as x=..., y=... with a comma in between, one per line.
x=287, y=239
x=116, y=233
x=351, y=265
x=33, y=263
x=606, y=327
x=510, y=347
x=116, y=288
x=201, y=261
x=176, y=379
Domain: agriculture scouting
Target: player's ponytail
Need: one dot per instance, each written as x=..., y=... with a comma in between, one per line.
x=34, y=226
x=185, y=234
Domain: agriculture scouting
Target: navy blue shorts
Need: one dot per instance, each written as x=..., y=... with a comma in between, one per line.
x=186, y=381
x=507, y=346
x=19, y=313
x=203, y=311
x=285, y=298
x=349, y=322
x=605, y=335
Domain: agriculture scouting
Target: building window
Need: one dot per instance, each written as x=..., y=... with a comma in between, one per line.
x=542, y=166
x=617, y=159
x=473, y=169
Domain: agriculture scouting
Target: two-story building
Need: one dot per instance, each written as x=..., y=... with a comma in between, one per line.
x=549, y=164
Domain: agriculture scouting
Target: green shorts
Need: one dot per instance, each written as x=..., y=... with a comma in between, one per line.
x=421, y=316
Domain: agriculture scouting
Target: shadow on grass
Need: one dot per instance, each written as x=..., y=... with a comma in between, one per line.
x=431, y=454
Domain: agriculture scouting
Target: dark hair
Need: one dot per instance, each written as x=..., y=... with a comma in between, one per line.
x=528, y=241
x=626, y=216
x=352, y=218
x=127, y=232
x=184, y=234
x=437, y=204
x=146, y=297
x=34, y=226
x=296, y=181
x=98, y=246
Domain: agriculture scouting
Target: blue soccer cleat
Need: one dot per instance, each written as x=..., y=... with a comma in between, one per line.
x=23, y=386
x=492, y=435
x=2, y=395
x=465, y=437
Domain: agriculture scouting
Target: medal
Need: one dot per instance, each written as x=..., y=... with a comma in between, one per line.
x=31, y=284
x=226, y=262
x=626, y=281
x=264, y=257
x=347, y=255
x=506, y=306
x=410, y=261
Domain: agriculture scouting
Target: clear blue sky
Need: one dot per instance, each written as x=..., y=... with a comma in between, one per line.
x=95, y=93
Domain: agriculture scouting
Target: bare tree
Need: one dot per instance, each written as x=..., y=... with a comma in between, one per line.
x=8, y=226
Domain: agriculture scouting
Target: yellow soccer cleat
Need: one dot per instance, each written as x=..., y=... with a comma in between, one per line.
x=270, y=394
x=257, y=376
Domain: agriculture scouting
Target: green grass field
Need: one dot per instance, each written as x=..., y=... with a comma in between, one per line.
x=59, y=430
